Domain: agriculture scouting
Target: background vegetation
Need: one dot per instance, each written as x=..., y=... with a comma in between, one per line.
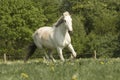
x=96, y=25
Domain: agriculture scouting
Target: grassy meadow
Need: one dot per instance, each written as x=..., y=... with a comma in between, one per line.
x=80, y=69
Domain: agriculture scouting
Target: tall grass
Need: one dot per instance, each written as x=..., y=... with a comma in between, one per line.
x=83, y=69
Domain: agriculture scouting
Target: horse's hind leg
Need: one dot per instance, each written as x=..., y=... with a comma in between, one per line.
x=51, y=55
x=46, y=55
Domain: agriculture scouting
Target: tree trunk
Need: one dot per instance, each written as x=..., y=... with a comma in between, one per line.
x=94, y=56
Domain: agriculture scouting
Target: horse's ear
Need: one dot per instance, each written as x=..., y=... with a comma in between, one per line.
x=66, y=13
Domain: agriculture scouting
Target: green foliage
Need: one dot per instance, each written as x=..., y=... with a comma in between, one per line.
x=104, y=45
x=51, y=10
x=18, y=19
x=78, y=37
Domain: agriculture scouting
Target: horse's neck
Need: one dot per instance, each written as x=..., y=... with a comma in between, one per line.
x=62, y=30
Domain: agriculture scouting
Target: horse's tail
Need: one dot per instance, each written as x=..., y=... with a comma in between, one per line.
x=32, y=49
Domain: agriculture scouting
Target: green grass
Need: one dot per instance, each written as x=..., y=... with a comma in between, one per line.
x=82, y=69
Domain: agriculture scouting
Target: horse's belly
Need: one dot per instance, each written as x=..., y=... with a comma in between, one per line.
x=48, y=44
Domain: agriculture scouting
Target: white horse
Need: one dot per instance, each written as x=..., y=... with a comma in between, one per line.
x=56, y=37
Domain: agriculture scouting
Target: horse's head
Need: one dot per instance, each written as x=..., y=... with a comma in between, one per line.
x=68, y=21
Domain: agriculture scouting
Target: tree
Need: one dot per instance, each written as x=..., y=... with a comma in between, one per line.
x=18, y=20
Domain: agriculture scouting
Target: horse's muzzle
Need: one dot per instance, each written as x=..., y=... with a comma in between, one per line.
x=70, y=32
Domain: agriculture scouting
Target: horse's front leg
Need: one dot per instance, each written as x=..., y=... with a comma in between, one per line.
x=59, y=50
x=70, y=47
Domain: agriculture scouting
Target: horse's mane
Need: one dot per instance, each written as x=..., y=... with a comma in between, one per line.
x=59, y=21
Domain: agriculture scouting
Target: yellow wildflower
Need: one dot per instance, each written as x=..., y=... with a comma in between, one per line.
x=52, y=68
x=74, y=77
x=24, y=75
x=101, y=62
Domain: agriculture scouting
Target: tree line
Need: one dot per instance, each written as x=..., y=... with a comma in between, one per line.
x=96, y=25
